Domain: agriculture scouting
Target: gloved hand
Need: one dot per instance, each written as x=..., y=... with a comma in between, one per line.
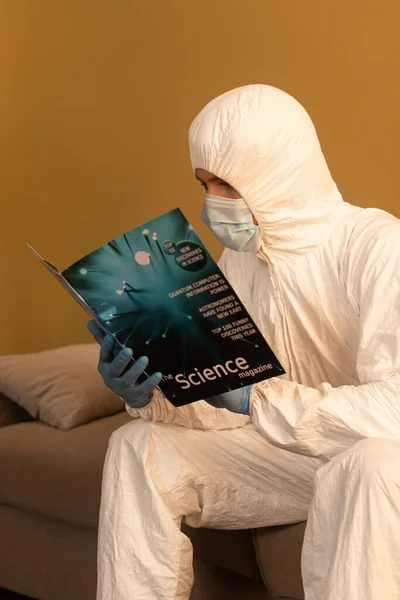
x=236, y=401
x=112, y=366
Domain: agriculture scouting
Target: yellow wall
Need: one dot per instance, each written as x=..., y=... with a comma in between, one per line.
x=96, y=98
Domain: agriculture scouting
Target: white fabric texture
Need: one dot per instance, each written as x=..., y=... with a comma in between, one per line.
x=156, y=474
x=324, y=289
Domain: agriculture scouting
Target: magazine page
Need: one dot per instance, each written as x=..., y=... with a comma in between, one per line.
x=79, y=299
x=158, y=290
x=55, y=272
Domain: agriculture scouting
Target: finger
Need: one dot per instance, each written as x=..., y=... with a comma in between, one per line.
x=133, y=374
x=107, y=349
x=96, y=331
x=151, y=382
x=120, y=362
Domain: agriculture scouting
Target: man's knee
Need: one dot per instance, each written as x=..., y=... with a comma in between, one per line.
x=140, y=437
x=133, y=439
x=130, y=430
x=372, y=460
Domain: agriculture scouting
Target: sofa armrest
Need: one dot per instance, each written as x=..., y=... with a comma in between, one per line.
x=11, y=413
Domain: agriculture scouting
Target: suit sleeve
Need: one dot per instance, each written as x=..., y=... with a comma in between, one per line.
x=323, y=422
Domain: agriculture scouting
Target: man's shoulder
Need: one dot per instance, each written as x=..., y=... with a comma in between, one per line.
x=373, y=247
x=374, y=229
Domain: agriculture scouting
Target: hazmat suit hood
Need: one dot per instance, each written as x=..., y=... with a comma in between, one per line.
x=262, y=142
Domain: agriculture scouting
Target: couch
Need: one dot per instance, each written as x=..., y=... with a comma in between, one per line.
x=49, y=503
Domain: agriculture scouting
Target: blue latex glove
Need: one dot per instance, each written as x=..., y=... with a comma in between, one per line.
x=236, y=401
x=122, y=381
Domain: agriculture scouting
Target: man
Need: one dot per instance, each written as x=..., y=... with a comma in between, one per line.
x=321, y=278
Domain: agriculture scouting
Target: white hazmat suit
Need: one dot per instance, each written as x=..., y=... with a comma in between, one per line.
x=321, y=442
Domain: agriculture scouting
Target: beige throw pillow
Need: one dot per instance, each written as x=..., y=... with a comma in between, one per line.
x=60, y=387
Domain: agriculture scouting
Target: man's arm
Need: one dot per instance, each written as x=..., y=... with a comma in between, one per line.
x=325, y=421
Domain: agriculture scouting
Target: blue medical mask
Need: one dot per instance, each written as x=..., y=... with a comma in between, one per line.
x=231, y=222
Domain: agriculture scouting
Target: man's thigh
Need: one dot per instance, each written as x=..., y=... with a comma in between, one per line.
x=228, y=479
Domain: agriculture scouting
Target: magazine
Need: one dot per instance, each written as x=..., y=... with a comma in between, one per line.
x=157, y=290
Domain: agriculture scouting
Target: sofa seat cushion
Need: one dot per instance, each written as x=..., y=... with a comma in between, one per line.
x=56, y=473
x=278, y=552
x=229, y=549
x=11, y=413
